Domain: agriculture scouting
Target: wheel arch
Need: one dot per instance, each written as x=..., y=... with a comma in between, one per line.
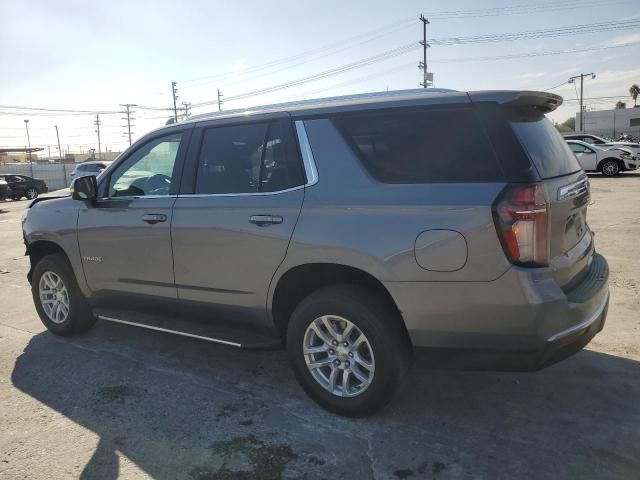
x=301, y=280
x=41, y=248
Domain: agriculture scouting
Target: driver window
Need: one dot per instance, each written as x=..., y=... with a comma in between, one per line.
x=148, y=171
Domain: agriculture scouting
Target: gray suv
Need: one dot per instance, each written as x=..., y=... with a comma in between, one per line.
x=364, y=233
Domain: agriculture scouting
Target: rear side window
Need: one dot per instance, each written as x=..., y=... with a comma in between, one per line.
x=543, y=143
x=439, y=145
x=248, y=158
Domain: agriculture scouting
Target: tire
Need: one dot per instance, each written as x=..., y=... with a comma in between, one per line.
x=32, y=193
x=79, y=317
x=386, y=349
x=610, y=168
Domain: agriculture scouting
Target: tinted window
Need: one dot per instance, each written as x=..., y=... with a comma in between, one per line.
x=247, y=158
x=281, y=167
x=421, y=146
x=148, y=170
x=547, y=150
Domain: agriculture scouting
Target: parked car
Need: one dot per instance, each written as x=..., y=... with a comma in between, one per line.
x=603, y=143
x=5, y=190
x=361, y=232
x=634, y=148
x=586, y=137
x=89, y=168
x=611, y=162
x=23, y=186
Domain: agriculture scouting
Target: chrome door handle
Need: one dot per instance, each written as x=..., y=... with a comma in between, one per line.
x=153, y=218
x=264, y=220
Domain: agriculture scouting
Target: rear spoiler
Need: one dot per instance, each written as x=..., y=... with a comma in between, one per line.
x=543, y=101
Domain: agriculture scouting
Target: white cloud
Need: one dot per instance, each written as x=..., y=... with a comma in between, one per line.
x=628, y=38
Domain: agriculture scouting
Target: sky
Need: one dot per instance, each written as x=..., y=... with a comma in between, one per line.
x=95, y=56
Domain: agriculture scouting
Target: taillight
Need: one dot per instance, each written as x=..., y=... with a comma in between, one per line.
x=521, y=215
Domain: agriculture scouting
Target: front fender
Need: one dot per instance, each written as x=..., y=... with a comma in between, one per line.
x=55, y=222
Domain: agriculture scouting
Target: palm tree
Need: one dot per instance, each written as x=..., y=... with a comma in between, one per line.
x=634, y=91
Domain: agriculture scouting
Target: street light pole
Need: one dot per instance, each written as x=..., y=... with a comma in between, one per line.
x=26, y=125
x=59, y=149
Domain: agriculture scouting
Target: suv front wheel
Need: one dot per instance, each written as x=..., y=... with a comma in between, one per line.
x=348, y=350
x=57, y=297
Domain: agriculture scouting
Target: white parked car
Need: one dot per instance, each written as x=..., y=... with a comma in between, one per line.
x=603, y=143
x=595, y=158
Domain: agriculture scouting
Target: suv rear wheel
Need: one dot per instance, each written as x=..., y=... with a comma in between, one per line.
x=610, y=168
x=347, y=350
x=57, y=297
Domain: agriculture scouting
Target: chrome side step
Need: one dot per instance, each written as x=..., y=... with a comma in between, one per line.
x=174, y=332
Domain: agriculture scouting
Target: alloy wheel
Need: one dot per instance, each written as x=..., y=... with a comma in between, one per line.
x=338, y=356
x=54, y=297
x=32, y=193
x=610, y=168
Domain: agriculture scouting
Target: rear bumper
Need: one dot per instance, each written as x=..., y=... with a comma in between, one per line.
x=522, y=321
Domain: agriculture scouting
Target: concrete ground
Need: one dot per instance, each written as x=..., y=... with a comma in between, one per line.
x=121, y=402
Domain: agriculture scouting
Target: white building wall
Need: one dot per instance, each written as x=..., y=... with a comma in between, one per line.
x=611, y=123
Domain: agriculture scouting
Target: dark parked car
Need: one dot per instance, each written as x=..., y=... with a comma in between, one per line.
x=89, y=168
x=5, y=191
x=23, y=186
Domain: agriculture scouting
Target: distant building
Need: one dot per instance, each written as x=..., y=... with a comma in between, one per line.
x=611, y=123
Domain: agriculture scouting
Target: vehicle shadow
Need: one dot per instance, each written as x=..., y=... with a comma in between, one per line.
x=180, y=408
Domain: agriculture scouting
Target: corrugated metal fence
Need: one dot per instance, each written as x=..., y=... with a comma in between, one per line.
x=56, y=175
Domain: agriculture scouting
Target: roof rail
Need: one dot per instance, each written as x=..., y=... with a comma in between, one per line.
x=327, y=101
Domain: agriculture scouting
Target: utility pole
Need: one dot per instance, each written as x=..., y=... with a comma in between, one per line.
x=572, y=80
x=97, y=123
x=174, y=91
x=59, y=149
x=427, y=76
x=220, y=100
x=187, y=109
x=26, y=125
x=129, y=113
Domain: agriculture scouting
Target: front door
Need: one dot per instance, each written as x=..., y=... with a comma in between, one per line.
x=125, y=238
x=232, y=229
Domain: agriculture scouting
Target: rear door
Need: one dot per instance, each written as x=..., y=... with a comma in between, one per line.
x=233, y=220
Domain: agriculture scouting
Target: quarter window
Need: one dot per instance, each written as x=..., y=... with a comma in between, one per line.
x=249, y=158
x=148, y=171
x=440, y=145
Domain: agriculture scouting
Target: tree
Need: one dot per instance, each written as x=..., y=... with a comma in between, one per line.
x=569, y=125
x=634, y=91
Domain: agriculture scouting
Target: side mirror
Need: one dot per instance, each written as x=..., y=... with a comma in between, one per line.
x=84, y=188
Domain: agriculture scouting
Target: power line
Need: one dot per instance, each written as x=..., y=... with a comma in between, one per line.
x=324, y=74
x=542, y=33
x=532, y=54
x=577, y=29
x=323, y=51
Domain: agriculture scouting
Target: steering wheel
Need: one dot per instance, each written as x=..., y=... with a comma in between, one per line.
x=157, y=184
